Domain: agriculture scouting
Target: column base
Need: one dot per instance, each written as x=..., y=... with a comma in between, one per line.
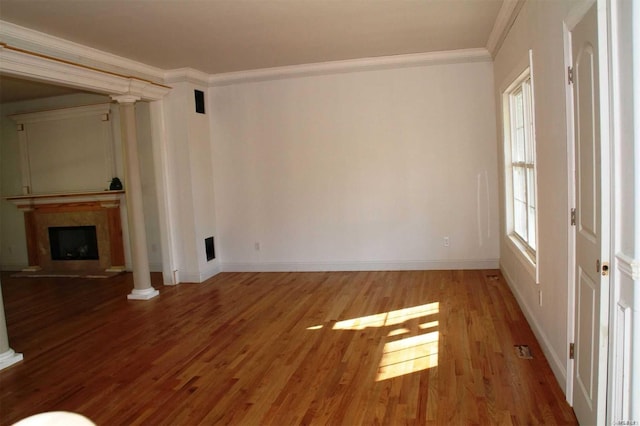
x=9, y=358
x=145, y=294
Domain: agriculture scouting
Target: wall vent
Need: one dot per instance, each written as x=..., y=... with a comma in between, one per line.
x=209, y=248
x=199, y=101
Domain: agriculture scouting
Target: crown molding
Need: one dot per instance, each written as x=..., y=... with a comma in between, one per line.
x=190, y=75
x=366, y=64
x=57, y=47
x=35, y=66
x=506, y=16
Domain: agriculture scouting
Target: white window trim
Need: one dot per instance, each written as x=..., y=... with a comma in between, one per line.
x=521, y=250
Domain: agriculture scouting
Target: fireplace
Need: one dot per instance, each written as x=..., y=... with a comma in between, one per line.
x=78, y=232
x=73, y=243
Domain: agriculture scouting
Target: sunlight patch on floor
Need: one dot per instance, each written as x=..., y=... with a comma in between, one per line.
x=388, y=318
x=408, y=355
x=404, y=356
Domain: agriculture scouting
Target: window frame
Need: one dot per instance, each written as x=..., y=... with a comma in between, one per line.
x=527, y=245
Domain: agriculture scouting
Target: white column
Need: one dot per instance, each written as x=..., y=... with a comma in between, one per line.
x=7, y=355
x=142, y=289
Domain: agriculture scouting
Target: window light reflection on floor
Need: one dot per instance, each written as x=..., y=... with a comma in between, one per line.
x=408, y=355
x=388, y=318
x=404, y=356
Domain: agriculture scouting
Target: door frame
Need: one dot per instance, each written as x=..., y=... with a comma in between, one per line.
x=574, y=16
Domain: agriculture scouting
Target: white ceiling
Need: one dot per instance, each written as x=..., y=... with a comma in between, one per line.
x=217, y=36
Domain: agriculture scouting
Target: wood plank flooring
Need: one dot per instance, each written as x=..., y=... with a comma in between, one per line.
x=339, y=348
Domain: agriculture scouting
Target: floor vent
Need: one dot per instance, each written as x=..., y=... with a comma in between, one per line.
x=523, y=351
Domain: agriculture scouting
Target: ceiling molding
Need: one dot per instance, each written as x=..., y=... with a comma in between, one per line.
x=30, y=65
x=54, y=46
x=189, y=75
x=366, y=64
x=506, y=16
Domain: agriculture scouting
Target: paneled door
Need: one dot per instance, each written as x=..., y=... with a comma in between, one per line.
x=587, y=382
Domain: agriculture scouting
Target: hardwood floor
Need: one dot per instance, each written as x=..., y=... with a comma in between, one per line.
x=340, y=348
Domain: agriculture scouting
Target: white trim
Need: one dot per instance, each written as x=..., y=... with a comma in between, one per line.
x=520, y=252
x=61, y=114
x=628, y=266
x=506, y=16
x=351, y=65
x=30, y=65
x=515, y=78
x=200, y=277
x=359, y=266
x=635, y=372
x=557, y=365
x=571, y=201
x=106, y=198
x=9, y=358
x=189, y=75
x=144, y=294
x=55, y=46
x=607, y=195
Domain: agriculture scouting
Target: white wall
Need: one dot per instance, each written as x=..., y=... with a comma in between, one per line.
x=539, y=27
x=13, y=251
x=191, y=188
x=360, y=170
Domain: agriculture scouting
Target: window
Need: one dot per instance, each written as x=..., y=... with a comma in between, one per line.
x=520, y=168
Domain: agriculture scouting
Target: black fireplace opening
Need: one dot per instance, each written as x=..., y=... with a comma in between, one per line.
x=73, y=243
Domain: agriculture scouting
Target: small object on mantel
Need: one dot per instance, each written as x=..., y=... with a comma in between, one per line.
x=116, y=184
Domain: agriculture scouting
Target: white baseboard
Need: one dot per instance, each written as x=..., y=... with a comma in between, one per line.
x=200, y=277
x=557, y=365
x=8, y=358
x=358, y=266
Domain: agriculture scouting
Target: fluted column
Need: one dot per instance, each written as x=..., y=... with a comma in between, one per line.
x=7, y=355
x=142, y=289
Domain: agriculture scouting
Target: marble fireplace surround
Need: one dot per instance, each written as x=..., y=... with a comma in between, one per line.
x=100, y=209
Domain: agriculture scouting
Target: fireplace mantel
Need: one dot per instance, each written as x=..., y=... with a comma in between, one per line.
x=31, y=201
x=94, y=208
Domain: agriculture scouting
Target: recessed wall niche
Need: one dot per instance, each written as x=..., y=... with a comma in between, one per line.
x=66, y=150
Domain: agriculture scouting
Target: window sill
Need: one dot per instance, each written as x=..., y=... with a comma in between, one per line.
x=528, y=261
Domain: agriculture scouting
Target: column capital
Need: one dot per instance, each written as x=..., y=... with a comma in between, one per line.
x=125, y=99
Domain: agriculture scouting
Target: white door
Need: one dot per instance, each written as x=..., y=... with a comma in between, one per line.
x=588, y=273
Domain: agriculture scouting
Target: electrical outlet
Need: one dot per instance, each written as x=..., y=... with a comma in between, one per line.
x=446, y=241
